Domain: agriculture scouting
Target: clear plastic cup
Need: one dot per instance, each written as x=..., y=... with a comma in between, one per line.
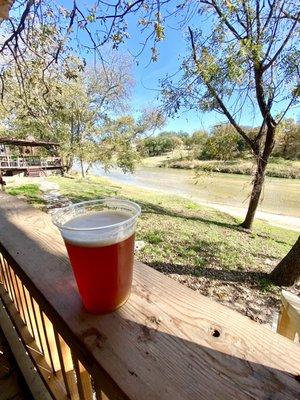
x=99, y=237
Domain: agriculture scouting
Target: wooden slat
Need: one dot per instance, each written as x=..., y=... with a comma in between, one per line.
x=31, y=347
x=11, y=383
x=20, y=298
x=289, y=316
x=85, y=382
x=37, y=325
x=27, y=304
x=291, y=303
x=69, y=368
x=167, y=342
x=285, y=326
x=48, y=356
x=62, y=366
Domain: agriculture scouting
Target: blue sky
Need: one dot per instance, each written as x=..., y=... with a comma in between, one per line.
x=147, y=74
x=146, y=92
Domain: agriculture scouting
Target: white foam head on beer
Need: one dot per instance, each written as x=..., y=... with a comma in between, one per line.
x=98, y=229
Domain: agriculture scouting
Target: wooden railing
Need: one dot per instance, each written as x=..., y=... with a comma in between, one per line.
x=29, y=161
x=289, y=316
x=167, y=342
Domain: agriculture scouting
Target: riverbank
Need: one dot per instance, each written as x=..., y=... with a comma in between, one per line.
x=224, y=192
x=284, y=169
x=277, y=168
x=196, y=245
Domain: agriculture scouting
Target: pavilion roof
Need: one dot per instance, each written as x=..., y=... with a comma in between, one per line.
x=27, y=142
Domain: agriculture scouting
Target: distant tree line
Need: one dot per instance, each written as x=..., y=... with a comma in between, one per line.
x=222, y=143
x=161, y=144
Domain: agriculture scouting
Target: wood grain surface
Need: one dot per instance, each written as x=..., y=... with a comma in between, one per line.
x=167, y=342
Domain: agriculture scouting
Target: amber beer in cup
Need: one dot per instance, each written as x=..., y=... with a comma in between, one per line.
x=99, y=237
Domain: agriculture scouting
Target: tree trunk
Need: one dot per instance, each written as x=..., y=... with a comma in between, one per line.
x=287, y=272
x=82, y=168
x=88, y=168
x=256, y=192
x=262, y=162
x=68, y=163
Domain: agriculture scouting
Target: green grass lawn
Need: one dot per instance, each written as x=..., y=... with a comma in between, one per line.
x=31, y=192
x=192, y=243
x=182, y=234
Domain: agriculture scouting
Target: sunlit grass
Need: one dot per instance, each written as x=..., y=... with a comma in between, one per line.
x=31, y=192
x=180, y=232
x=180, y=235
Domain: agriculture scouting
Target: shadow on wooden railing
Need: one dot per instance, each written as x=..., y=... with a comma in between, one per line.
x=167, y=343
x=62, y=372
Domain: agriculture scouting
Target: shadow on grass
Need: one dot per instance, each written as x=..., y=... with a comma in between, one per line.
x=252, y=277
x=265, y=256
x=85, y=196
x=150, y=208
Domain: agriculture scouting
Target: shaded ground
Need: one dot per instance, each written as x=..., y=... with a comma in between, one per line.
x=198, y=246
x=12, y=384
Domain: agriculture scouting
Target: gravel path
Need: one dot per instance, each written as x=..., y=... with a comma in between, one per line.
x=52, y=196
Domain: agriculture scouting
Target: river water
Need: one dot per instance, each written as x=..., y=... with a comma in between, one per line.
x=280, y=203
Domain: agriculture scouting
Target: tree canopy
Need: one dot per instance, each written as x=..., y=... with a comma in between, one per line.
x=79, y=107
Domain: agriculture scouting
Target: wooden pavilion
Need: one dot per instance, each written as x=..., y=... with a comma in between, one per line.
x=21, y=156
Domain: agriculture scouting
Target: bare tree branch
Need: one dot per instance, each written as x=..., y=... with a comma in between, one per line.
x=284, y=43
x=20, y=27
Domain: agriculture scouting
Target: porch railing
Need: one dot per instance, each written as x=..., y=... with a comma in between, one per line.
x=289, y=316
x=29, y=161
x=167, y=342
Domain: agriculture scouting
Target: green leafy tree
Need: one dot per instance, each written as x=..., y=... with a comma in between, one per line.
x=73, y=109
x=197, y=138
x=160, y=144
x=248, y=60
x=288, y=140
x=116, y=147
x=222, y=144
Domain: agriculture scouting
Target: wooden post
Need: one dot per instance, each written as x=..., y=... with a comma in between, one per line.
x=289, y=316
x=2, y=182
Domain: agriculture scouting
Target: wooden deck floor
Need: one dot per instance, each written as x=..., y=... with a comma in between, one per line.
x=12, y=384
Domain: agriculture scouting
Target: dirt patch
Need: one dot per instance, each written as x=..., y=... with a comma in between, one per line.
x=248, y=292
x=246, y=297
x=52, y=197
